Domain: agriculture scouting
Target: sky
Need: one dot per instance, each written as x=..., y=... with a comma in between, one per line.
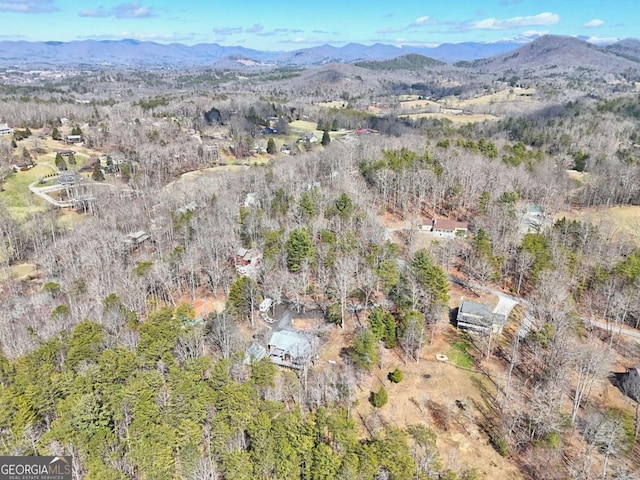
x=288, y=25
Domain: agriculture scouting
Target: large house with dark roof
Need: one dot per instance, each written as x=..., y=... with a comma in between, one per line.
x=289, y=348
x=476, y=317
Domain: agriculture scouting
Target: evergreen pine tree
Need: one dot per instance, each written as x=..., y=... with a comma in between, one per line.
x=60, y=163
x=271, y=146
x=97, y=174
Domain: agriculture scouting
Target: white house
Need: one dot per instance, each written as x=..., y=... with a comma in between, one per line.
x=443, y=227
x=5, y=130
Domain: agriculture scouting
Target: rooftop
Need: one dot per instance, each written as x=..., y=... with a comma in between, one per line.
x=291, y=342
x=473, y=308
x=446, y=224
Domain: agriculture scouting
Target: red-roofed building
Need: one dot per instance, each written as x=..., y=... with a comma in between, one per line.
x=443, y=227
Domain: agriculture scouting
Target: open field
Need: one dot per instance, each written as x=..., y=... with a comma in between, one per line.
x=613, y=221
x=300, y=127
x=186, y=179
x=499, y=103
x=17, y=198
x=461, y=118
x=333, y=104
x=416, y=104
x=20, y=272
x=519, y=95
x=303, y=126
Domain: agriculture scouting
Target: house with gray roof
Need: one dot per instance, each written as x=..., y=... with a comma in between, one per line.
x=477, y=317
x=289, y=348
x=630, y=382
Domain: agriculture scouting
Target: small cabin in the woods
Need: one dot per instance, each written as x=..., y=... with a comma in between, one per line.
x=136, y=238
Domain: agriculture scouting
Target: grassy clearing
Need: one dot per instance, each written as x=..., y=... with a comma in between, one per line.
x=577, y=177
x=409, y=104
x=300, y=127
x=519, y=95
x=462, y=118
x=460, y=353
x=617, y=222
x=23, y=270
x=304, y=126
x=338, y=104
x=17, y=198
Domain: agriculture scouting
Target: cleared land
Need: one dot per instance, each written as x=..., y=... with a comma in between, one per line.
x=17, y=198
x=428, y=394
x=333, y=104
x=460, y=118
x=521, y=95
x=416, y=104
x=614, y=221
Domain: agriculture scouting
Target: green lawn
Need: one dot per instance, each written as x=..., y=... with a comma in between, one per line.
x=17, y=198
x=460, y=353
x=50, y=158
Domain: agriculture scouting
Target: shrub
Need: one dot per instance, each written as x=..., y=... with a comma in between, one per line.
x=380, y=398
x=396, y=376
x=501, y=445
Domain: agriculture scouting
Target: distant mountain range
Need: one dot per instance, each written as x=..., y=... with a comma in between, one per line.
x=131, y=53
x=128, y=53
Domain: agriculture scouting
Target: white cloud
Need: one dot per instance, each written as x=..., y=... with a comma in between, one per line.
x=596, y=22
x=534, y=33
x=132, y=10
x=123, y=10
x=602, y=40
x=257, y=28
x=27, y=6
x=420, y=21
x=142, y=36
x=542, y=19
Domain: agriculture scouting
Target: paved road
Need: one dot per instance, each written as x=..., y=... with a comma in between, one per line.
x=612, y=327
x=42, y=193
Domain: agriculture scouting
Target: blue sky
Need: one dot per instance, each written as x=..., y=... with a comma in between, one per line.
x=288, y=25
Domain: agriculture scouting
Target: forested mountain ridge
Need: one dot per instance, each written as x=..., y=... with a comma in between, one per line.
x=551, y=51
